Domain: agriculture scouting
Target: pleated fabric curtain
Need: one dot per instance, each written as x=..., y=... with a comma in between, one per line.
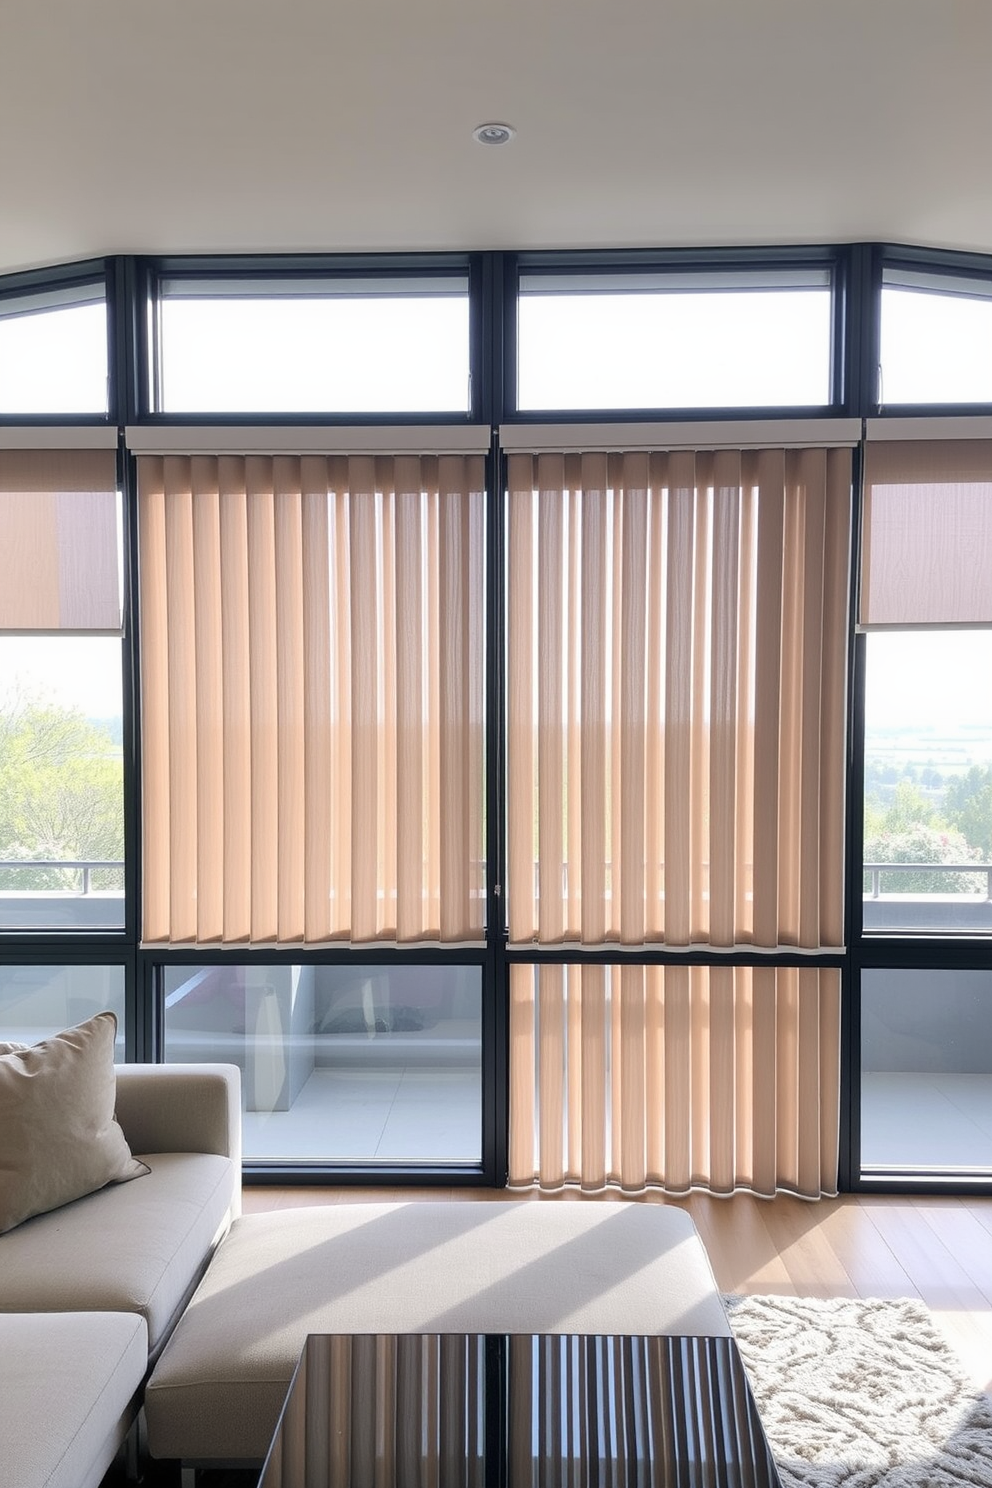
x=675, y=1077
x=312, y=698
x=677, y=628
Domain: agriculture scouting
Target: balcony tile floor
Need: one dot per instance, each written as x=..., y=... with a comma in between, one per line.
x=934, y=1121
x=398, y=1114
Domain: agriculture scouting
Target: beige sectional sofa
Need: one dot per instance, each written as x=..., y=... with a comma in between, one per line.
x=91, y=1290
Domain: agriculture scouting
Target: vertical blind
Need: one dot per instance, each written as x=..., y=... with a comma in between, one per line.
x=926, y=541
x=60, y=563
x=677, y=629
x=312, y=697
x=675, y=1077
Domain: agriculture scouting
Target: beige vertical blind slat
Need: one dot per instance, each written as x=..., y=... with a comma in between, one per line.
x=235, y=845
x=926, y=539
x=522, y=736
x=156, y=780
x=768, y=700
x=676, y=652
x=209, y=683
x=725, y=1078
x=319, y=722
x=263, y=681
x=312, y=692
x=60, y=560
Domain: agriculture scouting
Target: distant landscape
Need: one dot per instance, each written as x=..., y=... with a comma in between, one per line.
x=928, y=799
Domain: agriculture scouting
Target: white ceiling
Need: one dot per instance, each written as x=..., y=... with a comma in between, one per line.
x=319, y=125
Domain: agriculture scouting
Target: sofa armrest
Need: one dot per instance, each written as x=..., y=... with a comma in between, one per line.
x=181, y=1108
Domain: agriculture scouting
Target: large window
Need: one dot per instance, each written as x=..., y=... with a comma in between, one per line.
x=53, y=351
x=61, y=783
x=38, y=1000
x=926, y=604
x=346, y=1064
x=674, y=340
x=928, y=781
x=935, y=334
x=926, y=1072
x=355, y=345
x=61, y=700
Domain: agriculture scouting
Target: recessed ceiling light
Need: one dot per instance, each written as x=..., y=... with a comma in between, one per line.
x=494, y=134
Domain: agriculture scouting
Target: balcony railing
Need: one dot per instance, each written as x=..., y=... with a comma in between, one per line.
x=875, y=871
x=85, y=866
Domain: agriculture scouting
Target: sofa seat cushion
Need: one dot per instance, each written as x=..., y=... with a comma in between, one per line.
x=420, y=1267
x=69, y=1385
x=138, y=1247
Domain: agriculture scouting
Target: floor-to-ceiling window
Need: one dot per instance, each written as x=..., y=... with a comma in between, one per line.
x=429, y=683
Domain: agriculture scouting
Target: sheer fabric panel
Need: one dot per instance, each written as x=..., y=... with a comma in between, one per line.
x=60, y=561
x=312, y=697
x=676, y=697
x=675, y=1077
x=926, y=543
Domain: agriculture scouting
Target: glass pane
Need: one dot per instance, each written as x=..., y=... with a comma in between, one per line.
x=53, y=357
x=934, y=340
x=310, y=350
x=928, y=781
x=673, y=347
x=926, y=1071
x=61, y=783
x=341, y=1064
x=37, y=1001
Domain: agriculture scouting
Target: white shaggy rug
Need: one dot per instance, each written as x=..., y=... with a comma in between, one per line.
x=862, y=1393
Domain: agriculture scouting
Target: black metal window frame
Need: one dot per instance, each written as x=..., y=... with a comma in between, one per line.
x=131, y=287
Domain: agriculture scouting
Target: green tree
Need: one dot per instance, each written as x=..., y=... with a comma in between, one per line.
x=61, y=795
x=908, y=808
x=920, y=843
x=968, y=806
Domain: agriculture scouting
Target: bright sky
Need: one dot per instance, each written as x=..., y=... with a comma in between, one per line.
x=76, y=671
x=930, y=678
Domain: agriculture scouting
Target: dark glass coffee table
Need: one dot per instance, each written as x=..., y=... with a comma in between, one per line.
x=518, y=1411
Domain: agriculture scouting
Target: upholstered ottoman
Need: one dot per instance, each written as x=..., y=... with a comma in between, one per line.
x=421, y=1267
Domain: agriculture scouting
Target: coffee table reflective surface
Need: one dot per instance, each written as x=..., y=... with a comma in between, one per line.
x=518, y=1411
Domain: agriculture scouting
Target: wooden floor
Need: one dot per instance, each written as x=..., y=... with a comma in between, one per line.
x=938, y=1249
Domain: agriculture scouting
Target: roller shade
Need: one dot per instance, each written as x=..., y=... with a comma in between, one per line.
x=60, y=558
x=926, y=543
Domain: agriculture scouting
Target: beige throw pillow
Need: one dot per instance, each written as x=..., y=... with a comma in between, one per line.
x=59, y=1139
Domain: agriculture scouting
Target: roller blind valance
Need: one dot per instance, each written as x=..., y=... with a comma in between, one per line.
x=60, y=568
x=926, y=542
x=312, y=698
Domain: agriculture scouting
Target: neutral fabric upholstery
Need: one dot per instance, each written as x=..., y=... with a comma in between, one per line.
x=181, y=1108
x=421, y=1267
x=68, y=1391
x=59, y=1139
x=138, y=1248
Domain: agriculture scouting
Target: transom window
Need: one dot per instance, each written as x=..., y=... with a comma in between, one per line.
x=674, y=340
x=373, y=345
